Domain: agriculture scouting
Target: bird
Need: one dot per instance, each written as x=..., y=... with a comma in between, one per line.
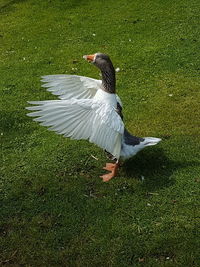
x=90, y=109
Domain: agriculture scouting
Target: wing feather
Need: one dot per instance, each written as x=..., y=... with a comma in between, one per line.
x=82, y=119
x=71, y=86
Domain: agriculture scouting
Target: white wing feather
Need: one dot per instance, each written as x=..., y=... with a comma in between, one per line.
x=71, y=86
x=82, y=119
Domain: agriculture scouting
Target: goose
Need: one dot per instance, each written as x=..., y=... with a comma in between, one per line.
x=90, y=109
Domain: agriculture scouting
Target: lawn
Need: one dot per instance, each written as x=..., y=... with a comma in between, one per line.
x=55, y=210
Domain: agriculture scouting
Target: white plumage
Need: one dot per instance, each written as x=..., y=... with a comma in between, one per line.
x=93, y=118
x=85, y=111
x=71, y=86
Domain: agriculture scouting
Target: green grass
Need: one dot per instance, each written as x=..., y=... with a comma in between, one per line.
x=55, y=210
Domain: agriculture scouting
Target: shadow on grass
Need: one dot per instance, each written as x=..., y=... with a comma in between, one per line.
x=9, y=4
x=154, y=168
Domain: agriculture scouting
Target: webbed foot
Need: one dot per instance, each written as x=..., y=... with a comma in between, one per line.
x=112, y=167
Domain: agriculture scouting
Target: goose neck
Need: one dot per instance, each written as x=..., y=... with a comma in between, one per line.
x=108, y=80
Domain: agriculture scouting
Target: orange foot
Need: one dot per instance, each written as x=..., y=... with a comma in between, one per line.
x=110, y=167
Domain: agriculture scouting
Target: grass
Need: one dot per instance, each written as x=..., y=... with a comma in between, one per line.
x=55, y=209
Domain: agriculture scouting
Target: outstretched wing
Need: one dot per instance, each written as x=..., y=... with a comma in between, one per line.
x=71, y=86
x=82, y=119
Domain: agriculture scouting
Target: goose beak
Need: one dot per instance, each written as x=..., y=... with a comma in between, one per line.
x=89, y=57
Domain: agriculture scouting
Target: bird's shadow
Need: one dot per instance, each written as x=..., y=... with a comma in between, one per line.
x=154, y=168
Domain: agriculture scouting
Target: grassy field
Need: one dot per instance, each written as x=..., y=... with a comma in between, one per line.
x=55, y=210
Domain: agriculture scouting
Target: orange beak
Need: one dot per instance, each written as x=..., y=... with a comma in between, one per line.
x=89, y=57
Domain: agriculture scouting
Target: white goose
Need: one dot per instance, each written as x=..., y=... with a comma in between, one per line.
x=90, y=109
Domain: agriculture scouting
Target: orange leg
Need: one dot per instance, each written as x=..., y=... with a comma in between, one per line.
x=109, y=166
x=113, y=171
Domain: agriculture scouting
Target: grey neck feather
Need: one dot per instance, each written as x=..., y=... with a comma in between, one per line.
x=108, y=78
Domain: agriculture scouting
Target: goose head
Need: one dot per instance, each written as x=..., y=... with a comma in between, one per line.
x=103, y=62
x=100, y=60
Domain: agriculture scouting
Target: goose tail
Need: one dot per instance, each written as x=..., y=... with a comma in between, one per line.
x=151, y=141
